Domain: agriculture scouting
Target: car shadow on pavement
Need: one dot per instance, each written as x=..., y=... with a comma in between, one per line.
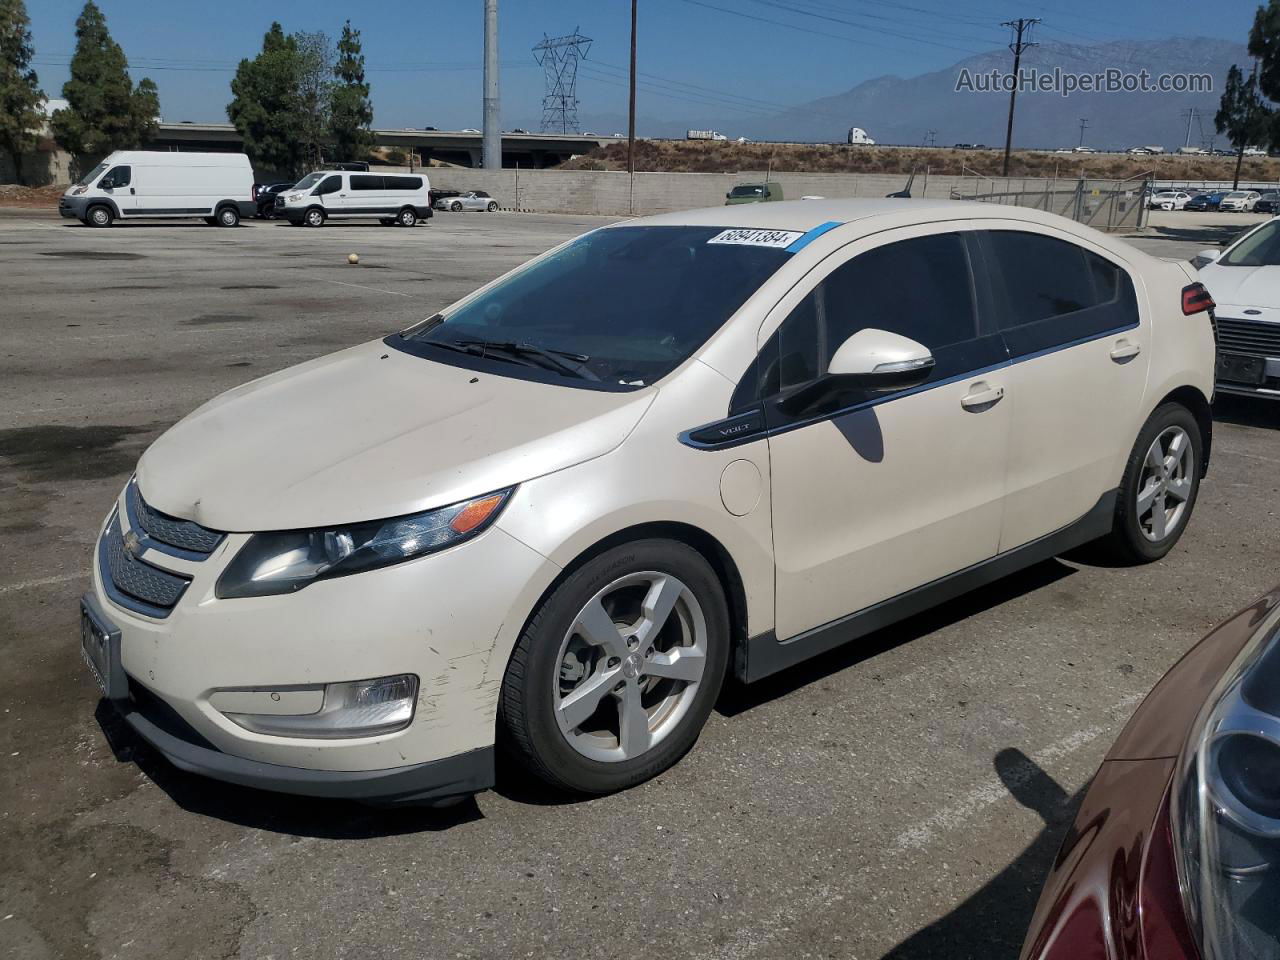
x=275, y=812
x=738, y=697
x=1246, y=411
x=1212, y=235
x=992, y=923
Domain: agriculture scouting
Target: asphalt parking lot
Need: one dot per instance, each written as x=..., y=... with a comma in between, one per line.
x=901, y=798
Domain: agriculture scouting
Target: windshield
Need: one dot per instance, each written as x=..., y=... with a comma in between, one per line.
x=92, y=175
x=747, y=191
x=309, y=181
x=1259, y=249
x=634, y=301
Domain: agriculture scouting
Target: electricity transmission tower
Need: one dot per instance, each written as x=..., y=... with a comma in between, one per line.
x=559, y=58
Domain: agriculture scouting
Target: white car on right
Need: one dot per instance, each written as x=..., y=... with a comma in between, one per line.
x=1240, y=201
x=1169, y=200
x=1244, y=281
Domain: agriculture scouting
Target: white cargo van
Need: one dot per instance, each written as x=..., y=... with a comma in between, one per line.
x=146, y=184
x=343, y=195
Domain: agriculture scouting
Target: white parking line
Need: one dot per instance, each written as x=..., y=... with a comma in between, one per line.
x=41, y=582
x=343, y=283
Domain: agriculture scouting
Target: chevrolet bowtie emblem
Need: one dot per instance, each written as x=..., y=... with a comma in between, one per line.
x=132, y=546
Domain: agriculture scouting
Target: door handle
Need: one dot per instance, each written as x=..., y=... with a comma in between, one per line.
x=1124, y=351
x=133, y=191
x=981, y=397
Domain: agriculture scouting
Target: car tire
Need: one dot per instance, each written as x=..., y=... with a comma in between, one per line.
x=627, y=669
x=1155, y=500
x=228, y=217
x=387, y=221
x=99, y=216
x=314, y=217
x=492, y=207
x=455, y=207
x=407, y=217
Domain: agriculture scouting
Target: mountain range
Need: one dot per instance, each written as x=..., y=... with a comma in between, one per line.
x=902, y=110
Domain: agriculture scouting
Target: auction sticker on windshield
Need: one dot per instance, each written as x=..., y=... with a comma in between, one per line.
x=758, y=238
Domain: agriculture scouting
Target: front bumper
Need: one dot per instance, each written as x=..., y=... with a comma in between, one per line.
x=448, y=618
x=73, y=208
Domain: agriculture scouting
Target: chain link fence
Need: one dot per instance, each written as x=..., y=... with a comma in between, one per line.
x=1111, y=205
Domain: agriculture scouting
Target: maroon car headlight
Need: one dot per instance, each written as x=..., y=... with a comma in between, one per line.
x=1226, y=807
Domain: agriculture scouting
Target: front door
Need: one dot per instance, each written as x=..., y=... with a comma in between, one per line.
x=118, y=184
x=875, y=494
x=332, y=194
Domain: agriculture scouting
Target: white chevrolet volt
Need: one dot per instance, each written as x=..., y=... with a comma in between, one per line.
x=553, y=517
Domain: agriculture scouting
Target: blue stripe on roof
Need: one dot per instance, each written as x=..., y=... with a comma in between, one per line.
x=813, y=235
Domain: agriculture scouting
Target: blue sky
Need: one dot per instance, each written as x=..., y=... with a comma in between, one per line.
x=703, y=62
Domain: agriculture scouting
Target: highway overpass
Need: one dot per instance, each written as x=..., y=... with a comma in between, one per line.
x=529, y=150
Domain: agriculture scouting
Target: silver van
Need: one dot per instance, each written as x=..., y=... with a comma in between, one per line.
x=391, y=198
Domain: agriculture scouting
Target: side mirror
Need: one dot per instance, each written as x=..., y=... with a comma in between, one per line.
x=873, y=360
x=106, y=183
x=729, y=195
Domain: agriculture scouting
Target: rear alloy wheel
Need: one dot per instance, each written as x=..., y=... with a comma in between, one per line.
x=1160, y=485
x=616, y=674
x=314, y=217
x=228, y=217
x=407, y=217
x=99, y=216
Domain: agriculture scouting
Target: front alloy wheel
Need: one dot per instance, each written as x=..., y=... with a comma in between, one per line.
x=615, y=674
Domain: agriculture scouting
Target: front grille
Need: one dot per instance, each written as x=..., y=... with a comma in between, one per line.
x=183, y=534
x=133, y=583
x=1249, y=336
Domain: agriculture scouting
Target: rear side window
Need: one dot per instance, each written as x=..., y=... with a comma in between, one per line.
x=1052, y=293
x=400, y=183
x=365, y=181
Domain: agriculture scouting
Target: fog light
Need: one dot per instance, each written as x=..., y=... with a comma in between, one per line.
x=360, y=708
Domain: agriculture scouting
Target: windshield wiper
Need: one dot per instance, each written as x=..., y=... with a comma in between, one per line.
x=561, y=360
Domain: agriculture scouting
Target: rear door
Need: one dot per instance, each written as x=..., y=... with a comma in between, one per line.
x=1079, y=348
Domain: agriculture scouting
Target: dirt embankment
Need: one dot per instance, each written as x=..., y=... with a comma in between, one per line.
x=12, y=195
x=700, y=156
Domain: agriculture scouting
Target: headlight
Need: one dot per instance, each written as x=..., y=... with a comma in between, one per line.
x=282, y=562
x=79, y=190
x=1226, y=807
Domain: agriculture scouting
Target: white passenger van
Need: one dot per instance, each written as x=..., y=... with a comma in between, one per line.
x=345, y=195
x=147, y=184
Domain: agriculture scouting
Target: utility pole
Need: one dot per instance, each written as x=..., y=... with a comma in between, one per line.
x=492, y=142
x=1084, y=125
x=930, y=140
x=631, y=97
x=1191, y=116
x=1019, y=27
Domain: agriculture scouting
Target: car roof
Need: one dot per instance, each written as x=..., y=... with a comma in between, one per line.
x=807, y=214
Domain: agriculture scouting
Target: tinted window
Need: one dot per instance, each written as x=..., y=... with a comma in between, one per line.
x=918, y=288
x=1052, y=292
x=330, y=185
x=120, y=176
x=1258, y=249
x=365, y=181
x=636, y=300
x=748, y=191
x=400, y=183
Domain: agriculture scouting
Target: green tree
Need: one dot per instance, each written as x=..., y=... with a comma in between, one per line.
x=105, y=111
x=266, y=105
x=20, y=94
x=1241, y=115
x=351, y=112
x=315, y=94
x=1264, y=46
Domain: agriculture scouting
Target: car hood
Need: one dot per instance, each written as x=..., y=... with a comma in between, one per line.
x=368, y=433
x=1233, y=288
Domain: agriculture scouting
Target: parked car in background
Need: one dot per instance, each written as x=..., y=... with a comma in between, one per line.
x=1268, y=203
x=753, y=193
x=1244, y=281
x=470, y=200
x=1204, y=201
x=402, y=199
x=1169, y=200
x=1254, y=152
x=1240, y=201
x=264, y=195
x=159, y=184
x=1175, y=849
x=560, y=511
